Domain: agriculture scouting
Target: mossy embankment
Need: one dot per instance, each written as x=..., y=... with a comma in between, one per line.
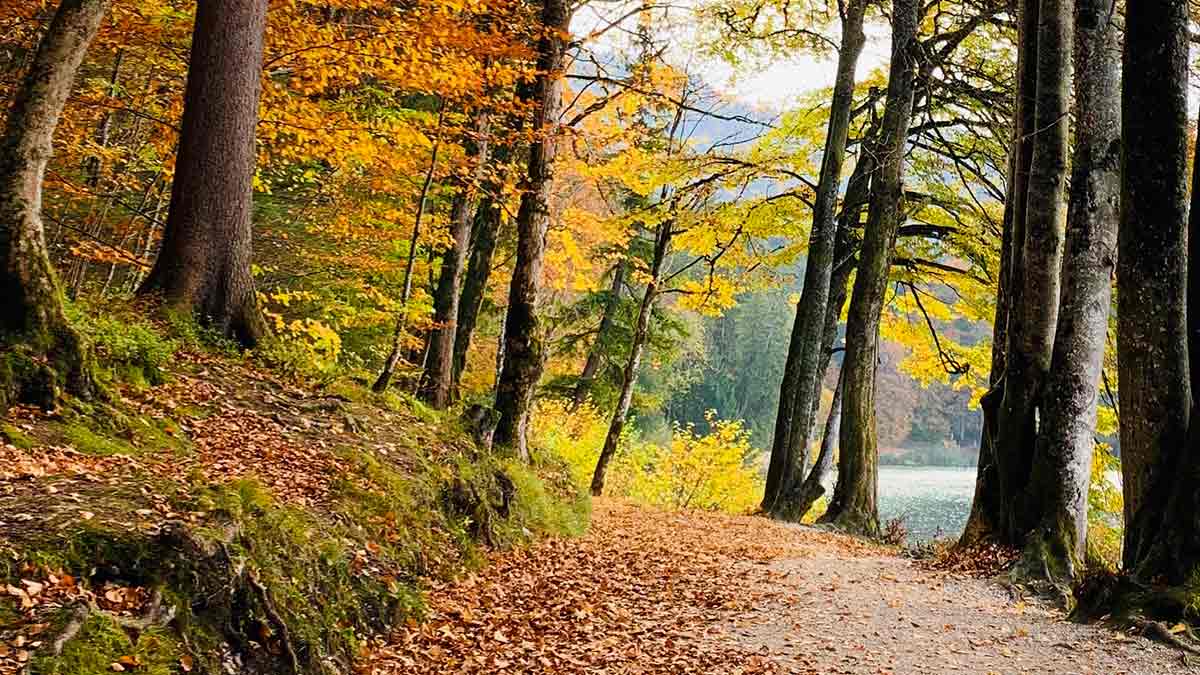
x=212, y=517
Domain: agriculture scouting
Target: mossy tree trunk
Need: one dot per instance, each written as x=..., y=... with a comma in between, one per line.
x=203, y=267
x=1033, y=314
x=991, y=510
x=41, y=355
x=1031, y=322
x=1160, y=468
x=523, y=349
x=854, y=506
x=484, y=235
x=437, y=385
x=799, y=496
x=802, y=371
x=1062, y=465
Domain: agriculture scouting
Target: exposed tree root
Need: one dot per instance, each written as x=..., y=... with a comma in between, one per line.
x=1157, y=630
x=1163, y=614
x=74, y=625
x=1042, y=570
x=281, y=626
x=155, y=613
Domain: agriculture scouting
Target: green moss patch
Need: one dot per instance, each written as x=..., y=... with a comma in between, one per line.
x=102, y=642
x=286, y=588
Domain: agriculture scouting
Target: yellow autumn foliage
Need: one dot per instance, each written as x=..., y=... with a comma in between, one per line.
x=712, y=472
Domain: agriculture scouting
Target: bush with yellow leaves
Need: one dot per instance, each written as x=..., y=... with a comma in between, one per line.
x=713, y=472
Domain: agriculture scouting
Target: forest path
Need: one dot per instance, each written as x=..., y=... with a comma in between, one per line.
x=649, y=591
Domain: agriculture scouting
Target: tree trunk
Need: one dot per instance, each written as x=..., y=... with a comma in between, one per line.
x=1032, y=319
x=397, y=350
x=799, y=496
x=854, y=506
x=983, y=522
x=813, y=487
x=802, y=372
x=438, y=382
x=1158, y=464
x=990, y=510
x=484, y=235
x=41, y=354
x=204, y=265
x=1062, y=466
x=523, y=349
x=662, y=242
x=596, y=351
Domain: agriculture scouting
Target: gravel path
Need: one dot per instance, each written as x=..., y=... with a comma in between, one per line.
x=883, y=614
x=653, y=592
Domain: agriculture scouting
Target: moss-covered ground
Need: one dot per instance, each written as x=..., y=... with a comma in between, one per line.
x=212, y=516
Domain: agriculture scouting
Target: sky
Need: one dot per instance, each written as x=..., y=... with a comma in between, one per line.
x=767, y=86
x=783, y=80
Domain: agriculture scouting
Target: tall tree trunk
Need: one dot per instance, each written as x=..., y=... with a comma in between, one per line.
x=1062, y=465
x=438, y=381
x=854, y=505
x=802, y=372
x=813, y=487
x=204, y=265
x=799, y=496
x=41, y=354
x=523, y=349
x=989, y=520
x=397, y=351
x=485, y=233
x=596, y=352
x=662, y=242
x=984, y=521
x=1193, y=274
x=1158, y=463
x=1032, y=319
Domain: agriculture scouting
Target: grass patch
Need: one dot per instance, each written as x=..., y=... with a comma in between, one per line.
x=91, y=443
x=17, y=438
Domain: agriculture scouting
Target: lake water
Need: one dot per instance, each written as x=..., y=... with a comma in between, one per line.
x=933, y=501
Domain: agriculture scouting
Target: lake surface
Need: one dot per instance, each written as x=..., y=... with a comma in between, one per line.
x=933, y=501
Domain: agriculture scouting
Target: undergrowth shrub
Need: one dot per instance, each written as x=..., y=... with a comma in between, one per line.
x=713, y=471
x=128, y=348
x=575, y=436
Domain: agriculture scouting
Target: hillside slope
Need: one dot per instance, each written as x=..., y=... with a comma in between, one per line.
x=215, y=518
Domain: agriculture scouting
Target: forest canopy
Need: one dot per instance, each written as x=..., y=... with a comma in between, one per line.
x=568, y=223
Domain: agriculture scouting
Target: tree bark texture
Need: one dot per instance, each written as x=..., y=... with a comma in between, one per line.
x=854, y=505
x=1032, y=318
x=203, y=267
x=523, y=349
x=484, y=235
x=438, y=382
x=989, y=520
x=1062, y=464
x=813, y=487
x=1158, y=464
x=802, y=372
x=41, y=355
